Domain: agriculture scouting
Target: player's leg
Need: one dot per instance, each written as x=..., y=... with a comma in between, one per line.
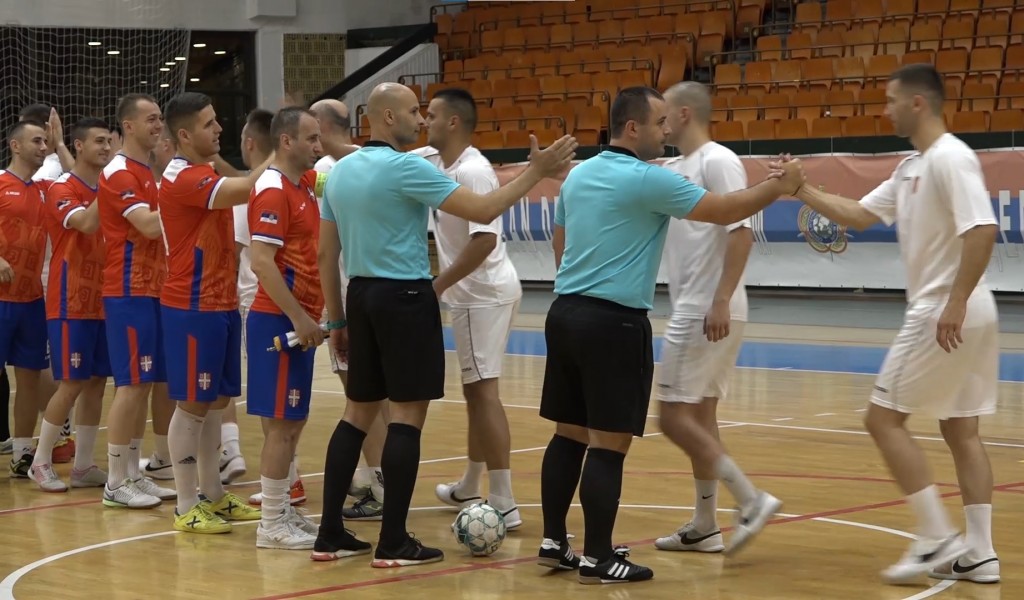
x=136, y=355
x=6, y=444
x=232, y=463
x=161, y=408
x=26, y=347
x=85, y=472
x=368, y=482
x=64, y=448
x=977, y=397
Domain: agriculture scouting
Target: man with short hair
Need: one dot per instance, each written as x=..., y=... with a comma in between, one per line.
x=480, y=285
x=610, y=225
x=944, y=361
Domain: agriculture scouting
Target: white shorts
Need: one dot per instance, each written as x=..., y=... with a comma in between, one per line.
x=481, y=335
x=692, y=368
x=338, y=366
x=919, y=376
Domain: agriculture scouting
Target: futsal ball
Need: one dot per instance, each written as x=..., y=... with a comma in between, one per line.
x=481, y=528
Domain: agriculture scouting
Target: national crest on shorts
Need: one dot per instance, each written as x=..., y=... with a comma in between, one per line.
x=294, y=396
x=76, y=360
x=204, y=381
x=821, y=233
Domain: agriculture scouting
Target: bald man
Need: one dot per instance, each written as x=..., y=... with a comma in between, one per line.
x=392, y=336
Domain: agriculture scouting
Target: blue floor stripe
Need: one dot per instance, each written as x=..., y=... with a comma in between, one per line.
x=773, y=355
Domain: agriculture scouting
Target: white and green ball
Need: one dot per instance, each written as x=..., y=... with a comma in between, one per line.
x=480, y=528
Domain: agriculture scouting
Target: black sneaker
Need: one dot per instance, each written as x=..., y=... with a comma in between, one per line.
x=366, y=508
x=614, y=570
x=336, y=547
x=20, y=467
x=409, y=553
x=552, y=556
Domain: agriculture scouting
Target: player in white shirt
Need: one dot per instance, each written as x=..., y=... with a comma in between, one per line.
x=480, y=285
x=705, y=264
x=944, y=360
x=367, y=487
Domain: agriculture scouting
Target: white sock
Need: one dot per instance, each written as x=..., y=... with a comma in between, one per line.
x=470, y=484
x=377, y=483
x=117, y=465
x=229, y=437
x=85, y=446
x=500, y=483
x=979, y=530
x=739, y=486
x=293, y=471
x=134, y=456
x=932, y=520
x=209, y=457
x=69, y=423
x=22, y=447
x=162, y=453
x=361, y=478
x=48, y=435
x=705, y=505
x=275, y=499
x=183, y=439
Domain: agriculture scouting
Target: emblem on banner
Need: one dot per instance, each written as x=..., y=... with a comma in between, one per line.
x=820, y=232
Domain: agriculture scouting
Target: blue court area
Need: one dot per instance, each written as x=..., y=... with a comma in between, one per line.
x=771, y=355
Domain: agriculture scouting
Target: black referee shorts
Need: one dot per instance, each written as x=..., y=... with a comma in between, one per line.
x=396, y=348
x=600, y=365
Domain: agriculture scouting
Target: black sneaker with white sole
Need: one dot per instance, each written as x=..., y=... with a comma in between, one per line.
x=329, y=547
x=557, y=555
x=614, y=570
x=409, y=553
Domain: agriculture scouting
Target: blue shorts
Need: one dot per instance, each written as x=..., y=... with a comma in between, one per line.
x=78, y=349
x=135, y=340
x=279, y=383
x=204, y=354
x=23, y=335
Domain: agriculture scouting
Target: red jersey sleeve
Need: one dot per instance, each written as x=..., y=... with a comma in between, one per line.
x=195, y=185
x=62, y=201
x=127, y=192
x=268, y=217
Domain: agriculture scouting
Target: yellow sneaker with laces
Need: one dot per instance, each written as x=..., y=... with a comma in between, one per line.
x=200, y=520
x=233, y=508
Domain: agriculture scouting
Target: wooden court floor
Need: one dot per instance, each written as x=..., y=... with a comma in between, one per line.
x=798, y=433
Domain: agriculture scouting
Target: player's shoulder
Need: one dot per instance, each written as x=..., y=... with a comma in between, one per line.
x=64, y=179
x=181, y=170
x=425, y=152
x=717, y=153
x=475, y=164
x=325, y=164
x=271, y=179
x=949, y=148
x=117, y=165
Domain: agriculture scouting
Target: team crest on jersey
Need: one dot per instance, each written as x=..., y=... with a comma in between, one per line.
x=268, y=217
x=293, y=397
x=820, y=232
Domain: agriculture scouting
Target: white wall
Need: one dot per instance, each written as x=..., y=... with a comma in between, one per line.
x=311, y=16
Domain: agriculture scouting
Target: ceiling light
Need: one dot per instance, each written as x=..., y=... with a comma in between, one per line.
x=143, y=82
x=199, y=45
x=194, y=79
x=170, y=63
x=113, y=51
x=165, y=69
x=180, y=58
x=95, y=43
x=219, y=52
x=163, y=85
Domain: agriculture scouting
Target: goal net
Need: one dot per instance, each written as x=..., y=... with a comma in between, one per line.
x=83, y=71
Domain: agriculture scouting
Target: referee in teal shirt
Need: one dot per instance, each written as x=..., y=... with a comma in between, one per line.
x=376, y=206
x=611, y=220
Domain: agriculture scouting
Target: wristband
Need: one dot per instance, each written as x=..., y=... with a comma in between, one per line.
x=332, y=325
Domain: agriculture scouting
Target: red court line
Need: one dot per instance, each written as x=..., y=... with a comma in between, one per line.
x=11, y=511
x=525, y=559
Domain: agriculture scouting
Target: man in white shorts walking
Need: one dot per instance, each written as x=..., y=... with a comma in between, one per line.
x=705, y=264
x=480, y=285
x=944, y=361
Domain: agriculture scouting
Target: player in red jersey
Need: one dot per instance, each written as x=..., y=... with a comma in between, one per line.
x=284, y=220
x=74, y=309
x=199, y=309
x=22, y=310
x=133, y=274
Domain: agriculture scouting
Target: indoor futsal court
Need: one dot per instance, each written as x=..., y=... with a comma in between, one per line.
x=794, y=419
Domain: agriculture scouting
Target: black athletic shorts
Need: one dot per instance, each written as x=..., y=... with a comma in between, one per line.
x=396, y=348
x=600, y=365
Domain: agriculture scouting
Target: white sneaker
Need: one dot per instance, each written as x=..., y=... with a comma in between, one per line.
x=445, y=492
x=985, y=570
x=750, y=520
x=284, y=534
x=7, y=446
x=302, y=521
x=91, y=477
x=923, y=556
x=148, y=486
x=688, y=539
x=231, y=467
x=128, y=495
x=46, y=479
x=156, y=468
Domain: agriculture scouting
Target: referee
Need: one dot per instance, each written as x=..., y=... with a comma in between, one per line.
x=376, y=206
x=611, y=220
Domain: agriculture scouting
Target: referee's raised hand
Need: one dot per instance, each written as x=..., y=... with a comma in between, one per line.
x=555, y=158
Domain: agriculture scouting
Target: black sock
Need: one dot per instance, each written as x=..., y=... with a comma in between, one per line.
x=5, y=405
x=559, y=474
x=399, y=463
x=600, y=487
x=342, y=459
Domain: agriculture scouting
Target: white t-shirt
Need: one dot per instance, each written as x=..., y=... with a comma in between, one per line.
x=495, y=282
x=934, y=198
x=695, y=251
x=247, y=282
x=324, y=165
x=51, y=170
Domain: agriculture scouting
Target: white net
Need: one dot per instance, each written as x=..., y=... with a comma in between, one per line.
x=83, y=71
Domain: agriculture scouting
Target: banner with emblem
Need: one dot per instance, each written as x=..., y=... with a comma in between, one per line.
x=794, y=245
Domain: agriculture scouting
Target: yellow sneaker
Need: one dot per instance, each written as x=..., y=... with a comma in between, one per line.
x=201, y=520
x=233, y=508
